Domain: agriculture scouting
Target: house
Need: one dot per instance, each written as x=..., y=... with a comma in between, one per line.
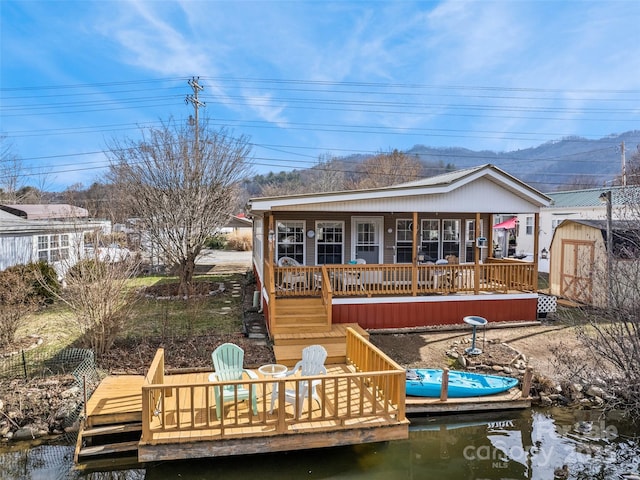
x=579, y=262
x=52, y=233
x=237, y=224
x=377, y=257
x=586, y=204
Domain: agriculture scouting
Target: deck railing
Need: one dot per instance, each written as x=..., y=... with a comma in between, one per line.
x=370, y=390
x=404, y=279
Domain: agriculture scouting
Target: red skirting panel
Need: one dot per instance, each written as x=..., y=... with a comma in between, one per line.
x=418, y=314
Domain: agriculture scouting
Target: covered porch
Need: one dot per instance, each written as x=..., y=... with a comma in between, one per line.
x=409, y=255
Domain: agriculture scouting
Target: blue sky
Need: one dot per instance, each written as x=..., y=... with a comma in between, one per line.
x=303, y=79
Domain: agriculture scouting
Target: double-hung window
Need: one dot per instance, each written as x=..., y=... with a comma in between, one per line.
x=430, y=239
x=53, y=248
x=329, y=242
x=450, y=237
x=290, y=240
x=404, y=241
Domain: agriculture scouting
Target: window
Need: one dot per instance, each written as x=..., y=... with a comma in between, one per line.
x=329, y=242
x=290, y=240
x=53, y=248
x=450, y=237
x=529, y=225
x=470, y=241
x=404, y=241
x=430, y=238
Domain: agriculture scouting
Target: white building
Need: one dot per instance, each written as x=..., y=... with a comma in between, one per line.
x=51, y=233
x=588, y=204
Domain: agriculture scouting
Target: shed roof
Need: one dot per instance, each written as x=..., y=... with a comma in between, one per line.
x=54, y=211
x=620, y=225
x=590, y=197
x=398, y=197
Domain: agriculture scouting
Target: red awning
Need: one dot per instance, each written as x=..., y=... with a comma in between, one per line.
x=507, y=224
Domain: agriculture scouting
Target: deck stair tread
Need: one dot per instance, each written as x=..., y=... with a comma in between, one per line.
x=108, y=449
x=112, y=429
x=297, y=315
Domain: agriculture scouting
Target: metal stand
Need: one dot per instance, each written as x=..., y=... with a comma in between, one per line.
x=475, y=322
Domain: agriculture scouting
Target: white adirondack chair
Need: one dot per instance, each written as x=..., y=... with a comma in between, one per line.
x=312, y=364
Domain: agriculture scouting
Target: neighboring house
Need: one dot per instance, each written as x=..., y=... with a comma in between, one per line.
x=376, y=257
x=51, y=233
x=238, y=224
x=585, y=204
x=579, y=259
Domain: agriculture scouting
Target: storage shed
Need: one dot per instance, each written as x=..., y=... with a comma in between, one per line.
x=578, y=260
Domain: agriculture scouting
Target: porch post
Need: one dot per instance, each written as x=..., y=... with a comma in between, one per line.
x=536, y=240
x=490, y=236
x=414, y=256
x=477, y=257
x=270, y=270
x=270, y=242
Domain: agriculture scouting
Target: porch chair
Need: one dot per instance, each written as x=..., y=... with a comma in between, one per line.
x=228, y=361
x=291, y=279
x=312, y=363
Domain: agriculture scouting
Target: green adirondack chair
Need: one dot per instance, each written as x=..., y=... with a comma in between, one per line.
x=228, y=361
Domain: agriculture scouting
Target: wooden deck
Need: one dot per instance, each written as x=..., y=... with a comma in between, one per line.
x=175, y=415
x=168, y=417
x=334, y=422
x=118, y=399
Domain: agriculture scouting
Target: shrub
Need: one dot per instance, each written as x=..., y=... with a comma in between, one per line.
x=17, y=300
x=45, y=281
x=240, y=241
x=216, y=242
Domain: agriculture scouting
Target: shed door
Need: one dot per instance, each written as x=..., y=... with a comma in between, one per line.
x=576, y=276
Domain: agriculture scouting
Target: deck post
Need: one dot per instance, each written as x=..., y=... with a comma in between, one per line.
x=526, y=382
x=444, y=389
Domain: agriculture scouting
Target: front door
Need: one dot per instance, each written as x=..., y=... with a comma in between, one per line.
x=367, y=239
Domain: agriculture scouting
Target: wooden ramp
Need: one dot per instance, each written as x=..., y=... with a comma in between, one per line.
x=287, y=347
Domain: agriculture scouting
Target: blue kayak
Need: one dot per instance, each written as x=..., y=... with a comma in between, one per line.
x=428, y=382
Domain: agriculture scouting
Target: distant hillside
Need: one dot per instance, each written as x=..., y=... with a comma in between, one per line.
x=569, y=163
x=549, y=166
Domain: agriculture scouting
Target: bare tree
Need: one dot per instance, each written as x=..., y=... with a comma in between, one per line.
x=99, y=295
x=325, y=177
x=181, y=181
x=579, y=182
x=386, y=169
x=11, y=172
x=632, y=169
x=611, y=336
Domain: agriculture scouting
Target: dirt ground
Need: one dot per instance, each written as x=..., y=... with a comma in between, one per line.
x=428, y=349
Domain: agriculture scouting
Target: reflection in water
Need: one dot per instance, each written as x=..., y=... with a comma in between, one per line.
x=507, y=445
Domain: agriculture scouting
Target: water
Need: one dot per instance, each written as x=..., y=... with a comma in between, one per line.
x=527, y=444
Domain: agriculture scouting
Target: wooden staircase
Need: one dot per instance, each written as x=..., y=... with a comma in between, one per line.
x=104, y=443
x=301, y=322
x=113, y=427
x=300, y=315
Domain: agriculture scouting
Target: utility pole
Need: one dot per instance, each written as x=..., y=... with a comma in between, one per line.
x=624, y=166
x=193, y=100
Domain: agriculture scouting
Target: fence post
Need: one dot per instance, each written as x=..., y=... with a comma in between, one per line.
x=24, y=365
x=84, y=387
